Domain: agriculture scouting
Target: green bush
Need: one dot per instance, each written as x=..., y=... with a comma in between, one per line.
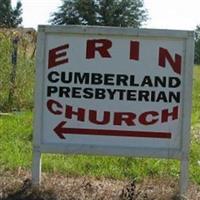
x=5, y=68
x=22, y=89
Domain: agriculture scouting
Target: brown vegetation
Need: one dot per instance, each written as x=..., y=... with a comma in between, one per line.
x=17, y=186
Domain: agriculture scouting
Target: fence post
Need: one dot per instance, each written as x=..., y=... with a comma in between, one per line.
x=15, y=41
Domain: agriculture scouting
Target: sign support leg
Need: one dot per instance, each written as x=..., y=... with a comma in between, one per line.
x=184, y=176
x=36, y=168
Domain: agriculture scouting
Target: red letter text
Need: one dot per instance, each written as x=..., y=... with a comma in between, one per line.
x=58, y=55
x=134, y=50
x=101, y=45
x=165, y=55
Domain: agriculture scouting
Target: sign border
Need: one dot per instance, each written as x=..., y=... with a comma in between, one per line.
x=180, y=154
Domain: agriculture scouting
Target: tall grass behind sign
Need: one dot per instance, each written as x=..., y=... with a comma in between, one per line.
x=113, y=91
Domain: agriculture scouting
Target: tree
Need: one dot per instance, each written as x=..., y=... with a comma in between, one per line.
x=10, y=17
x=197, y=45
x=122, y=13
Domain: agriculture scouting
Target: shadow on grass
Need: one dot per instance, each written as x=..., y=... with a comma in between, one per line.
x=27, y=192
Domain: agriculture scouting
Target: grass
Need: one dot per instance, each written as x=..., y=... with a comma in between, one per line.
x=16, y=152
x=15, y=141
x=15, y=147
x=22, y=87
x=196, y=96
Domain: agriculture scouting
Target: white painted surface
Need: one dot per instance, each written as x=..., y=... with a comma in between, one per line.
x=119, y=64
x=176, y=42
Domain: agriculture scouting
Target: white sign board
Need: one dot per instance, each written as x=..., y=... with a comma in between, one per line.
x=113, y=91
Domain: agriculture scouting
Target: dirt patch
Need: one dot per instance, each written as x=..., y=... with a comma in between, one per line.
x=17, y=186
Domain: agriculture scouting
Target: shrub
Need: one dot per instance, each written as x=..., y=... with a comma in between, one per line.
x=17, y=87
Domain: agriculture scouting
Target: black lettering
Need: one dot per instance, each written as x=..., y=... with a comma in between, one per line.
x=174, y=97
x=153, y=96
x=51, y=90
x=121, y=94
x=53, y=77
x=174, y=82
x=147, y=81
x=76, y=92
x=132, y=81
x=108, y=79
x=96, y=79
x=143, y=95
x=100, y=93
x=65, y=79
x=88, y=93
x=161, y=97
x=160, y=81
x=64, y=92
x=122, y=80
x=131, y=95
x=111, y=93
x=81, y=78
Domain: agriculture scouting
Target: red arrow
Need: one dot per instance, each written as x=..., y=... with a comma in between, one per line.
x=60, y=130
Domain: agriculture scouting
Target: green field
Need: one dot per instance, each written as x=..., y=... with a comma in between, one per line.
x=196, y=96
x=16, y=151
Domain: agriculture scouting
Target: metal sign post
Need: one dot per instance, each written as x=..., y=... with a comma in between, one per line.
x=113, y=91
x=187, y=96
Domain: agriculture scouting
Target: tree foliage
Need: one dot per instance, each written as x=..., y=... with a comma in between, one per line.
x=197, y=45
x=122, y=13
x=10, y=17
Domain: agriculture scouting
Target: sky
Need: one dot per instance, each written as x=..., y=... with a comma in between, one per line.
x=163, y=14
